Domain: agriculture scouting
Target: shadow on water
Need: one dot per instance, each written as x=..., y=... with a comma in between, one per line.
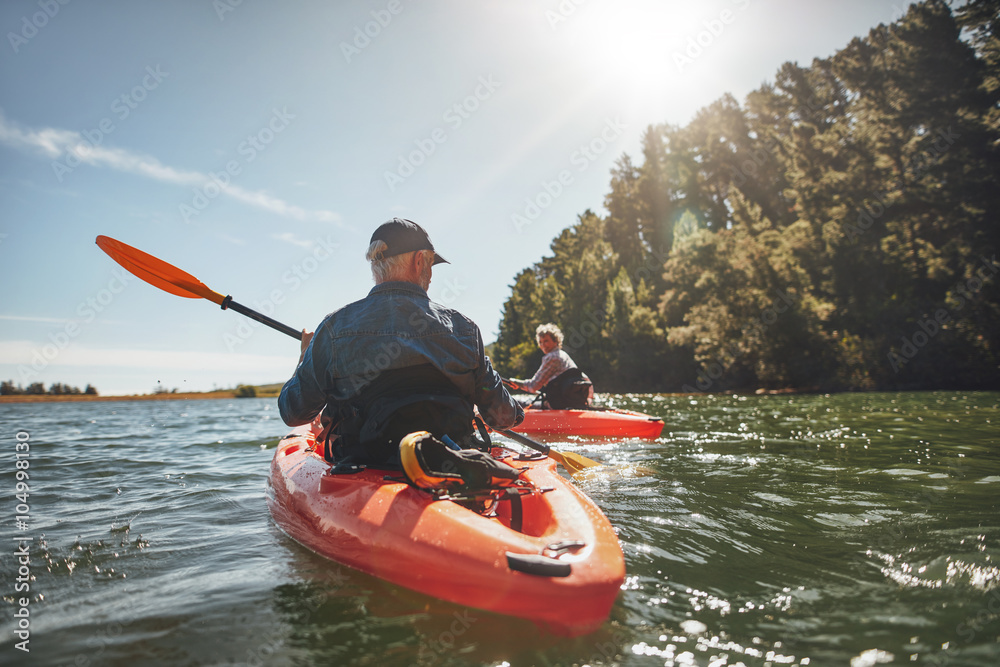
x=335, y=615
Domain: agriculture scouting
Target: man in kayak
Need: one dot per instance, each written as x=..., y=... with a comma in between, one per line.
x=395, y=361
x=564, y=385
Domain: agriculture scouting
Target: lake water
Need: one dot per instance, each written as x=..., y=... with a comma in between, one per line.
x=850, y=529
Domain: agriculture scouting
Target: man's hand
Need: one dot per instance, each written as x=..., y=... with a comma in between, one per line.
x=307, y=336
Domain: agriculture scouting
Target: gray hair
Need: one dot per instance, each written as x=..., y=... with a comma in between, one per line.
x=551, y=330
x=384, y=269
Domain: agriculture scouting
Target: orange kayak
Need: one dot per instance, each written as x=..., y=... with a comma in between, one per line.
x=607, y=422
x=548, y=555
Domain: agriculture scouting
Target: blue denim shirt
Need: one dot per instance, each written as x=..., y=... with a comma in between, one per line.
x=395, y=326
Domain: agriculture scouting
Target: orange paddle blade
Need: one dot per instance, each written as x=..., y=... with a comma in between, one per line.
x=156, y=272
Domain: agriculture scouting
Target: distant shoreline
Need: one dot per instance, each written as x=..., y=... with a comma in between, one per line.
x=64, y=398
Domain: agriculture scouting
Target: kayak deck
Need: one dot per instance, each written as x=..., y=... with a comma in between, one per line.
x=549, y=556
x=602, y=422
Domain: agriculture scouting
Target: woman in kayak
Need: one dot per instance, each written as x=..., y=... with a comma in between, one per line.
x=558, y=377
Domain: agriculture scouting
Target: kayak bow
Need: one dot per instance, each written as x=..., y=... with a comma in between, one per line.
x=601, y=422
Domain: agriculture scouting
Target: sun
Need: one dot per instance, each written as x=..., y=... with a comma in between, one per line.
x=633, y=38
x=646, y=49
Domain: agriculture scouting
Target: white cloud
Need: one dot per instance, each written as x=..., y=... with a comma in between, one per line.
x=289, y=237
x=231, y=239
x=57, y=144
x=27, y=318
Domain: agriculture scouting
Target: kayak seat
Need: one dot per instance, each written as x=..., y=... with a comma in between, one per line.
x=568, y=390
x=368, y=429
x=428, y=463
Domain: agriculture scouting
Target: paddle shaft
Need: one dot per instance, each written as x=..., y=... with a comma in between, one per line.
x=228, y=303
x=527, y=442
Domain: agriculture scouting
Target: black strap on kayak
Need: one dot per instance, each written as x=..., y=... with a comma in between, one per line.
x=516, y=509
x=483, y=432
x=538, y=565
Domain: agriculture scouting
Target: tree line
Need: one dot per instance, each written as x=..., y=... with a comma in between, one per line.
x=8, y=388
x=836, y=231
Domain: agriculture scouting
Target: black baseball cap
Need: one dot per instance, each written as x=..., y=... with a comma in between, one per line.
x=401, y=235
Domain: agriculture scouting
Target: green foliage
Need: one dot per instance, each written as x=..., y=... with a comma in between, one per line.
x=8, y=388
x=836, y=231
x=245, y=391
x=58, y=388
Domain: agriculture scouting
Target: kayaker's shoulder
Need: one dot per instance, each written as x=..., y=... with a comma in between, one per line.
x=455, y=316
x=347, y=311
x=331, y=317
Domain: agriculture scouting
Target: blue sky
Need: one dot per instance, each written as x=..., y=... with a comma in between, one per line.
x=258, y=144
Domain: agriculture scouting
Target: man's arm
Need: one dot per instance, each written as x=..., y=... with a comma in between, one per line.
x=302, y=397
x=495, y=405
x=551, y=366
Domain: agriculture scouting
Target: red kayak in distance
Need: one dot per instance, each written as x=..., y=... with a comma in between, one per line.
x=546, y=553
x=601, y=422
